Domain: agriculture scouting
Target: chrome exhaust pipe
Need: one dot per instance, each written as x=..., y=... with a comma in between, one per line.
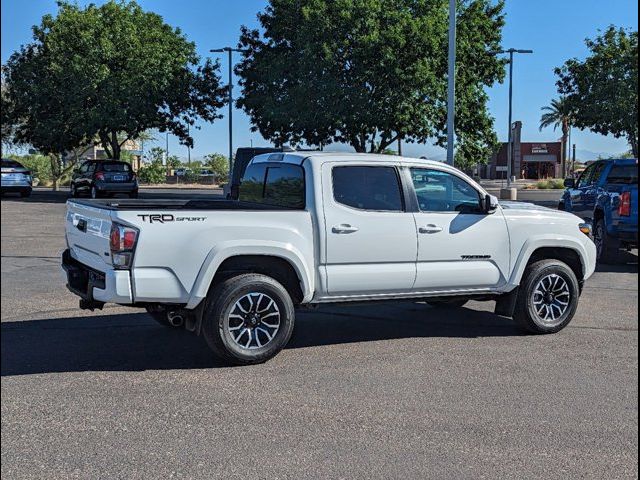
x=175, y=319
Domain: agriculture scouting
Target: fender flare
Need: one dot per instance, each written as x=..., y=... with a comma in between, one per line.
x=543, y=241
x=225, y=250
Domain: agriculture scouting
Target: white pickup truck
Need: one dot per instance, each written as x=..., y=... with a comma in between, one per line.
x=314, y=228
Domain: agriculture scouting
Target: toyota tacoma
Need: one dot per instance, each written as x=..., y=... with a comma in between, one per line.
x=321, y=228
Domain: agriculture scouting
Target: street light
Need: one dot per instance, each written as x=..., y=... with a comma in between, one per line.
x=511, y=51
x=451, y=81
x=230, y=51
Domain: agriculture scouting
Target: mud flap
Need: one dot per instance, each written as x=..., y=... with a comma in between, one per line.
x=506, y=303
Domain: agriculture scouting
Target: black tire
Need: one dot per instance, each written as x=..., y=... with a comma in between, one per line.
x=222, y=300
x=607, y=247
x=451, y=303
x=73, y=191
x=94, y=192
x=525, y=313
x=160, y=315
x=561, y=206
x=25, y=193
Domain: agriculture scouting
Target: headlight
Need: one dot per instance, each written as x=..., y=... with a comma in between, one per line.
x=585, y=228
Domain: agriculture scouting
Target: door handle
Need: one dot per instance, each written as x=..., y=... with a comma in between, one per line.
x=431, y=228
x=344, y=228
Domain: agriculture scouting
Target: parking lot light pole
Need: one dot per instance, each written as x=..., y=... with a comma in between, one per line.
x=230, y=51
x=451, y=81
x=511, y=51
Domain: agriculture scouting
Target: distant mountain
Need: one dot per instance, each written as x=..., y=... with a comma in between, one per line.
x=587, y=155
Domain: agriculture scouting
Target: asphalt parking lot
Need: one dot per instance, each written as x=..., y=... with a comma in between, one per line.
x=396, y=390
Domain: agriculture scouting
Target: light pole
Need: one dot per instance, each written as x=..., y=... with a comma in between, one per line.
x=511, y=51
x=230, y=51
x=166, y=153
x=451, y=81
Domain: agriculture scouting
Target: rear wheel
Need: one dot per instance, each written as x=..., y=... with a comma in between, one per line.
x=447, y=303
x=547, y=297
x=607, y=247
x=74, y=190
x=95, y=193
x=248, y=319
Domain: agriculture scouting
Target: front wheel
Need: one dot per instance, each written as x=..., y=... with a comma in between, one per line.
x=248, y=319
x=547, y=298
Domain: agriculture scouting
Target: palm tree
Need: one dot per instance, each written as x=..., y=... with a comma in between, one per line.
x=558, y=114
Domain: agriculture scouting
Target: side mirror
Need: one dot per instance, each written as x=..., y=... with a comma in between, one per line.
x=569, y=182
x=490, y=203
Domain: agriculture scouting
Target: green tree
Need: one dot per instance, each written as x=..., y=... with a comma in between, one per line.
x=219, y=164
x=602, y=90
x=111, y=73
x=557, y=115
x=370, y=72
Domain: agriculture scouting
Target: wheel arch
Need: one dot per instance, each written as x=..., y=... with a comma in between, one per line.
x=565, y=250
x=285, y=265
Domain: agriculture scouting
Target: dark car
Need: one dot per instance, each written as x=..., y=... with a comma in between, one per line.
x=15, y=178
x=99, y=178
x=606, y=195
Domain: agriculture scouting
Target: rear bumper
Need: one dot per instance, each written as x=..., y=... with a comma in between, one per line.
x=117, y=187
x=93, y=286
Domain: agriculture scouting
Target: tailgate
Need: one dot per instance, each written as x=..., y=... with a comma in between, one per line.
x=87, y=229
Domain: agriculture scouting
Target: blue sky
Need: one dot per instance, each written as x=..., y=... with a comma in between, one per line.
x=554, y=29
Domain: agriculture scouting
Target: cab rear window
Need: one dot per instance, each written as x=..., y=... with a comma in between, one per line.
x=277, y=184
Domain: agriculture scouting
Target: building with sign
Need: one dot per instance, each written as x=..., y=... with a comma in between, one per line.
x=529, y=160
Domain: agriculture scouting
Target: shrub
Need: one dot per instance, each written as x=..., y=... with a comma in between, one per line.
x=219, y=164
x=154, y=172
x=191, y=176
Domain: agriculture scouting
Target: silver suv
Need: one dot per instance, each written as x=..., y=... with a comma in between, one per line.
x=15, y=178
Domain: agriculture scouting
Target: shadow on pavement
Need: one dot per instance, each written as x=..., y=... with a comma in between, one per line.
x=134, y=342
x=628, y=263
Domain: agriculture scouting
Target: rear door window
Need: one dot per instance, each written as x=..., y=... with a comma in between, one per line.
x=623, y=174
x=368, y=188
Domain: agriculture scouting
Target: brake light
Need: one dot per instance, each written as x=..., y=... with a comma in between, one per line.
x=99, y=176
x=624, y=208
x=122, y=242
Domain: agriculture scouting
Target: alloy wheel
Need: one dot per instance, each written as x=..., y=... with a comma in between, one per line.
x=254, y=320
x=551, y=298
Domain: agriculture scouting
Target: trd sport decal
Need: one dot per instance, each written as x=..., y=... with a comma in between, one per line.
x=475, y=257
x=167, y=217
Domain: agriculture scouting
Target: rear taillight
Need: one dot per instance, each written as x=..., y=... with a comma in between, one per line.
x=99, y=176
x=122, y=242
x=624, y=207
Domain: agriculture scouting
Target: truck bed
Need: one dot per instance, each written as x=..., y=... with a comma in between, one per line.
x=140, y=204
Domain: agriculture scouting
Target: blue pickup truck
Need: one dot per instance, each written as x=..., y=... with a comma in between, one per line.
x=606, y=195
